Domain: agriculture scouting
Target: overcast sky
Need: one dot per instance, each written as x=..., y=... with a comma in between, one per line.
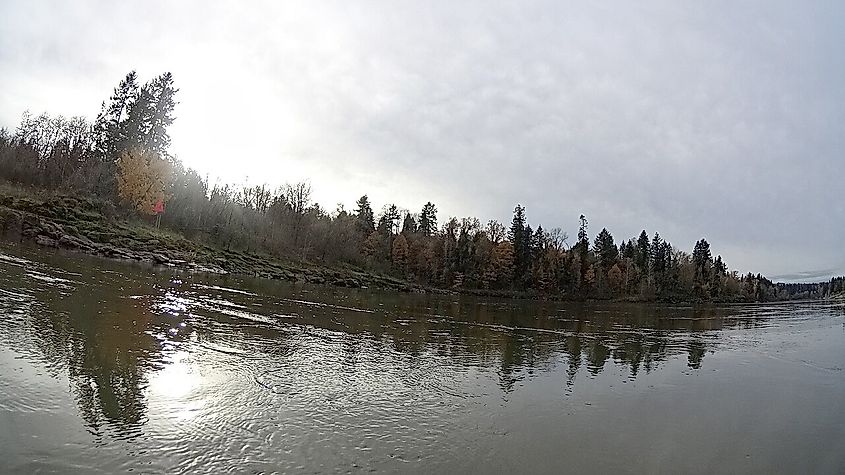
x=723, y=120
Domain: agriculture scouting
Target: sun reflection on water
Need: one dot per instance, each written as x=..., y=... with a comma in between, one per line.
x=177, y=380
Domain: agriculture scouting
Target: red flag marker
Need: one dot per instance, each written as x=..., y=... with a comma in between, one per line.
x=159, y=207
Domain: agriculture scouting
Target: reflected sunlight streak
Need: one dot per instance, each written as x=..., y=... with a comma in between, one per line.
x=177, y=380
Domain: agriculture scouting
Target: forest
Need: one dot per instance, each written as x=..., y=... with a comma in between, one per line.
x=123, y=158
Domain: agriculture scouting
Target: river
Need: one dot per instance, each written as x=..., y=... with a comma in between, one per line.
x=109, y=366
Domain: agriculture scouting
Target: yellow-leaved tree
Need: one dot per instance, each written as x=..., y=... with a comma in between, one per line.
x=500, y=265
x=400, y=252
x=142, y=179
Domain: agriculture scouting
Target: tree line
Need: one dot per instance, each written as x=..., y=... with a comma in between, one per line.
x=123, y=158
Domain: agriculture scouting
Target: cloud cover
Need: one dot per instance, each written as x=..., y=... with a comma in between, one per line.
x=717, y=119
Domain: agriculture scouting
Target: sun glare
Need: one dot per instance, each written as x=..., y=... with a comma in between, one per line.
x=177, y=380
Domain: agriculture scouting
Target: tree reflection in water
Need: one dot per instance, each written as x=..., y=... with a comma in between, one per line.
x=123, y=333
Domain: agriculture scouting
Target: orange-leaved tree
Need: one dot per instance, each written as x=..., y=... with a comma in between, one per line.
x=142, y=179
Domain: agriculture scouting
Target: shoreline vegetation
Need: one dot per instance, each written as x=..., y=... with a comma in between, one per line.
x=93, y=187
x=87, y=226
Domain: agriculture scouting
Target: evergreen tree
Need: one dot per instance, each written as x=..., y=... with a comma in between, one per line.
x=583, y=240
x=138, y=120
x=643, y=253
x=540, y=270
x=719, y=266
x=409, y=225
x=627, y=250
x=364, y=218
x=586, y=274
x=658, y=255
x=661, y=264
x=605, y=249
x=162, y=92
x=517, y=237
x=110, y=125
x=388, y=223
x=719, y=271
x=137, y=117
x=538, y=243
x=702, y=261
x=517, y=225
x=428, y=220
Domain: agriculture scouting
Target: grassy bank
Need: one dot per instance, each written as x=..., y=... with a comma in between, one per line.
x=96, y=228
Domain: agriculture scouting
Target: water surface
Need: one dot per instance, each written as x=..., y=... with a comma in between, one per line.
x=109, y=366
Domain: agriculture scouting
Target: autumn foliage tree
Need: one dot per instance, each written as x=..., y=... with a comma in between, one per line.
x=143, y=179
x=399, y=253
x=501, y=265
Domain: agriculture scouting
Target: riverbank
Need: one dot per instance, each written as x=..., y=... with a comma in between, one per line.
x=97, y=228
x=91, y=227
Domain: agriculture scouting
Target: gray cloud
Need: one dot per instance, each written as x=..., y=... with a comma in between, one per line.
x=720, y=120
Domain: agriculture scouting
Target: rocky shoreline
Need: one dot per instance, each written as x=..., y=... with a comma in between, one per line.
x=77, y=225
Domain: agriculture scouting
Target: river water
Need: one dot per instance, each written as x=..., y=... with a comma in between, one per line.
x=112, y=367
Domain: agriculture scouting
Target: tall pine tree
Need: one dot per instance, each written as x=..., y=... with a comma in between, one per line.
x=110, y=125
x=605, y=249
x=428, y=220
x=364, y=219
x=516, y=235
